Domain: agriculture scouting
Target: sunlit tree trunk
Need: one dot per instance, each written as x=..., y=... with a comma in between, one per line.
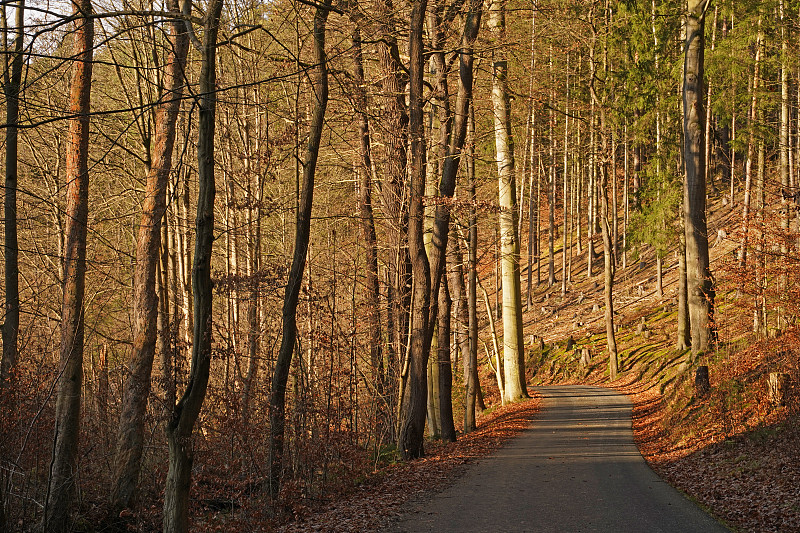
x=61, y=481
x=699, y=282
x=130, y=431
x=513, y=353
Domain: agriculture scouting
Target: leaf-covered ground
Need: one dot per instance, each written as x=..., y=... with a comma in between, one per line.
x=383, y=495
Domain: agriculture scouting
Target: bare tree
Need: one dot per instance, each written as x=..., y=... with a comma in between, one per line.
x=130, y=432
x=277, y=415
x=184, y=416
x=63, y=467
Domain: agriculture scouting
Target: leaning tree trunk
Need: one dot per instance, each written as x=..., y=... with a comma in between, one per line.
x=11, y=88
x=184, y=416
x=699, y=282
x=130, y=432
x=61, y=482
x=277, y=415
x=513, y=352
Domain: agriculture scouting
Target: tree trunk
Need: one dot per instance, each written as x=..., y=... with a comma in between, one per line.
x=277, y=415
x=446, y=423
x=684, y=328
x=372, y=288
x=11, y=88
x=472, y=276
x=130, y=431
x=699, y=282
x=748, y=172
x=61, y=481
x=513, y=352
x=412, y=428
x=184, y=416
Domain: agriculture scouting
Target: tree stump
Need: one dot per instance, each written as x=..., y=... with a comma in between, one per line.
x=778, y=388
x=570, y=343
x=702, y=385
x=586, y=357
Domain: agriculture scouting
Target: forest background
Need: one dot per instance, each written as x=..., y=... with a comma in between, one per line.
x=296, y=237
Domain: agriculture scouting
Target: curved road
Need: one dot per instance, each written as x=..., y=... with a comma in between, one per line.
x=576, y=469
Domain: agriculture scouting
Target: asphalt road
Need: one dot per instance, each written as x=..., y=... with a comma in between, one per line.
x=576, y=469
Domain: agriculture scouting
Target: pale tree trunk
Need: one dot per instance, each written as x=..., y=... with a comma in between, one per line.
x=184, y=416
x=785, y=149
x=433, y=421
x=11, y=88
x=412, y=425
x=130, y=431
x=748, y=169
x=565, y=192
x=609, y=270
x=455, y=275
x=551, y=184
x=709, y=176
x=472, y=283
x=277, y=414
x=759, y=311
x=513, y=352
x=63, y=467
x=699, y=282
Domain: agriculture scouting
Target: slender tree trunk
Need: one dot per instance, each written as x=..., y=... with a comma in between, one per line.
x=784, y=147
x=372, y=288
x=184, y=416
x=552, y=187
x=11, y=88
x=472, y=277
x=63, y=466
x=513, y=352
x=751, y=151
x=277, y=415
x=130, y=431
x=699, y=282
x=684, y=328
x=565, y=192
x=412, y=428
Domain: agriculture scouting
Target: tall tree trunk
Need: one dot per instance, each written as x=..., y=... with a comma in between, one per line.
x=130, y=431
x=513, y=352
x=277, y=414
x=699, y=282
x=61, y=480
x=472, y=277
x=784, y=147
x=372, y=288
x=751, y=150
x=11, y=88
x=184, y=416
x=684, y=328
x=412, y=427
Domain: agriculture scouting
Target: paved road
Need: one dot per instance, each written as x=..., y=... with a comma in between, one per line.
x=576, y=469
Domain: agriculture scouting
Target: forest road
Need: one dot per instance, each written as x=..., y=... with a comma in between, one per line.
x=575, y=469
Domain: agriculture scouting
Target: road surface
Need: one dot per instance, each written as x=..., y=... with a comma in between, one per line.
x=576, y=469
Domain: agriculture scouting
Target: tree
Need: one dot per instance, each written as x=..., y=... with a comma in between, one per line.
x=412, y=423
x=184, y=416
x=513, y=346
x=61, y=481
x=699, y=282
x=277, y=415
x=12, y=85
x=130, y=437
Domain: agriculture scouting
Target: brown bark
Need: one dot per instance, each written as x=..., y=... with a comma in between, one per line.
x=277, y=415
x=699, y=281
x=130, y=432
x=11, y=89
x=61, y=481
x=372, y=288
x=412, y=425
x=444, y=360
x=184, y=416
